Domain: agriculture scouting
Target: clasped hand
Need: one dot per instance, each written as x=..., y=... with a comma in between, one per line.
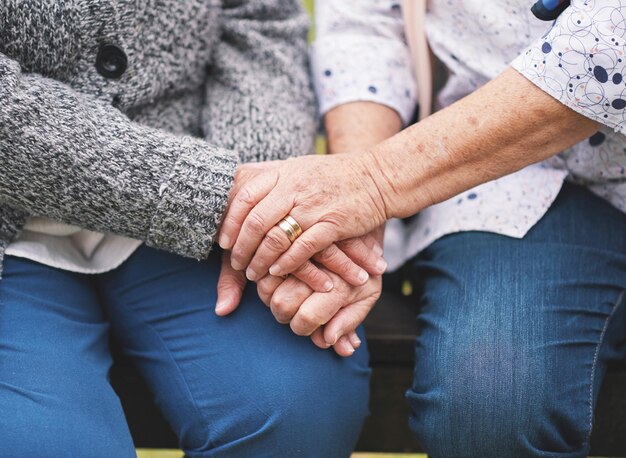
x=326, y=281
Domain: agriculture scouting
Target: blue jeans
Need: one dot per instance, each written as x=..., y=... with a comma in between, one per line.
x=242, y=386
x=516, y=335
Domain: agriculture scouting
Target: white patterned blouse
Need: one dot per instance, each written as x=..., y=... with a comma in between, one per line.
x=580, y=59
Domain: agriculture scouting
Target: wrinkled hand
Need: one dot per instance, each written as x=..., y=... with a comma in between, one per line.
x=329, y=318
x=353, y=260
x=332, y=198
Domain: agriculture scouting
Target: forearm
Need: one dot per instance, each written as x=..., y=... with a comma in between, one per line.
x=359, y=126
x=506, y=125
x=71, y=157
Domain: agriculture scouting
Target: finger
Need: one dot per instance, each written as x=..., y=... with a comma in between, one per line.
x=266, y=287
x=259, y=221
x=357, y=250
x=273, y=245
x=346, y=320
x=354, y=339
x=288, y=298
x=243, y=201
x=276, y=243
x=343, y=347
x=312, y=241
x=373, y=244
x=314, y=277
x=318, y=338
x=337, y=261
x=314, y=312
x=230, y=286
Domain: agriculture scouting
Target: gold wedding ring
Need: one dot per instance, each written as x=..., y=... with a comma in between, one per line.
x=290, y=227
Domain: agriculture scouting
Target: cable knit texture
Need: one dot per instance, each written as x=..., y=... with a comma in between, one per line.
x=150, y=153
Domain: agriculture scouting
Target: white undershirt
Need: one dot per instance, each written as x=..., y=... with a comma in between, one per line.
x=71, y=248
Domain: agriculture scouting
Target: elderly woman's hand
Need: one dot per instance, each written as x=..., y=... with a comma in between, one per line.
x=353, y=260
x=475, y=140
x=330, y=197
x=330, y=318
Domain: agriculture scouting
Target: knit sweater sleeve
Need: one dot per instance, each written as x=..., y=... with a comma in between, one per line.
x=260, y=101
x=70, y=157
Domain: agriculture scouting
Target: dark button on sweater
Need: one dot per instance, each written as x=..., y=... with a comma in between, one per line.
x=111, y=61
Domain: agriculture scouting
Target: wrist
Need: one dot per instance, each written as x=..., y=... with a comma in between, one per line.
x=413, y=166
x=380, y=181
x=357, y=126
x=374, y=183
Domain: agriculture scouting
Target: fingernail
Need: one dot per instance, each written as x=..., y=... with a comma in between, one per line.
x=275, y=270
x=328, y=286
x=219, y=306
x=381, y=265
x=351, y=350
x=334, y=340
x=224, y=241
x=378, y=250
x=251, y=274
x=355, y=341
x=363, y=276
x=235, y=264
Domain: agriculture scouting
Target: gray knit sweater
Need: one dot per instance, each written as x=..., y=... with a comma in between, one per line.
x=129, y=117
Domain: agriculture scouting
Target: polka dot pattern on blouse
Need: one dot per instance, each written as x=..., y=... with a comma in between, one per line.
x=579, y=59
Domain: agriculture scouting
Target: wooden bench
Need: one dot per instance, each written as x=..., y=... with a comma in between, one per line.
x=391, y=332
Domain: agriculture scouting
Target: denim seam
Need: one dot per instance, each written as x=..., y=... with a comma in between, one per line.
x=619, y=302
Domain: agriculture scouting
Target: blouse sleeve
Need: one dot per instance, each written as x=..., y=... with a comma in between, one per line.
x=360, y=54
x=581, y=62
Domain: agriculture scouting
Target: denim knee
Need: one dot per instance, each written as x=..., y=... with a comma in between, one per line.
x=491, y=398
x=480, y=411
x=509, y=355
x=313, y=413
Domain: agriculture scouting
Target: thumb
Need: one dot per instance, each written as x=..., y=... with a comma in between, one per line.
x=230, y=287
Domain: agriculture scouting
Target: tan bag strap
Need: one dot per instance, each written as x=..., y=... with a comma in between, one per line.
x=414, y=12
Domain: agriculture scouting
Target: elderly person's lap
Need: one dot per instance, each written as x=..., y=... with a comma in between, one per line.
x=226, y=386
x=516, y=334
